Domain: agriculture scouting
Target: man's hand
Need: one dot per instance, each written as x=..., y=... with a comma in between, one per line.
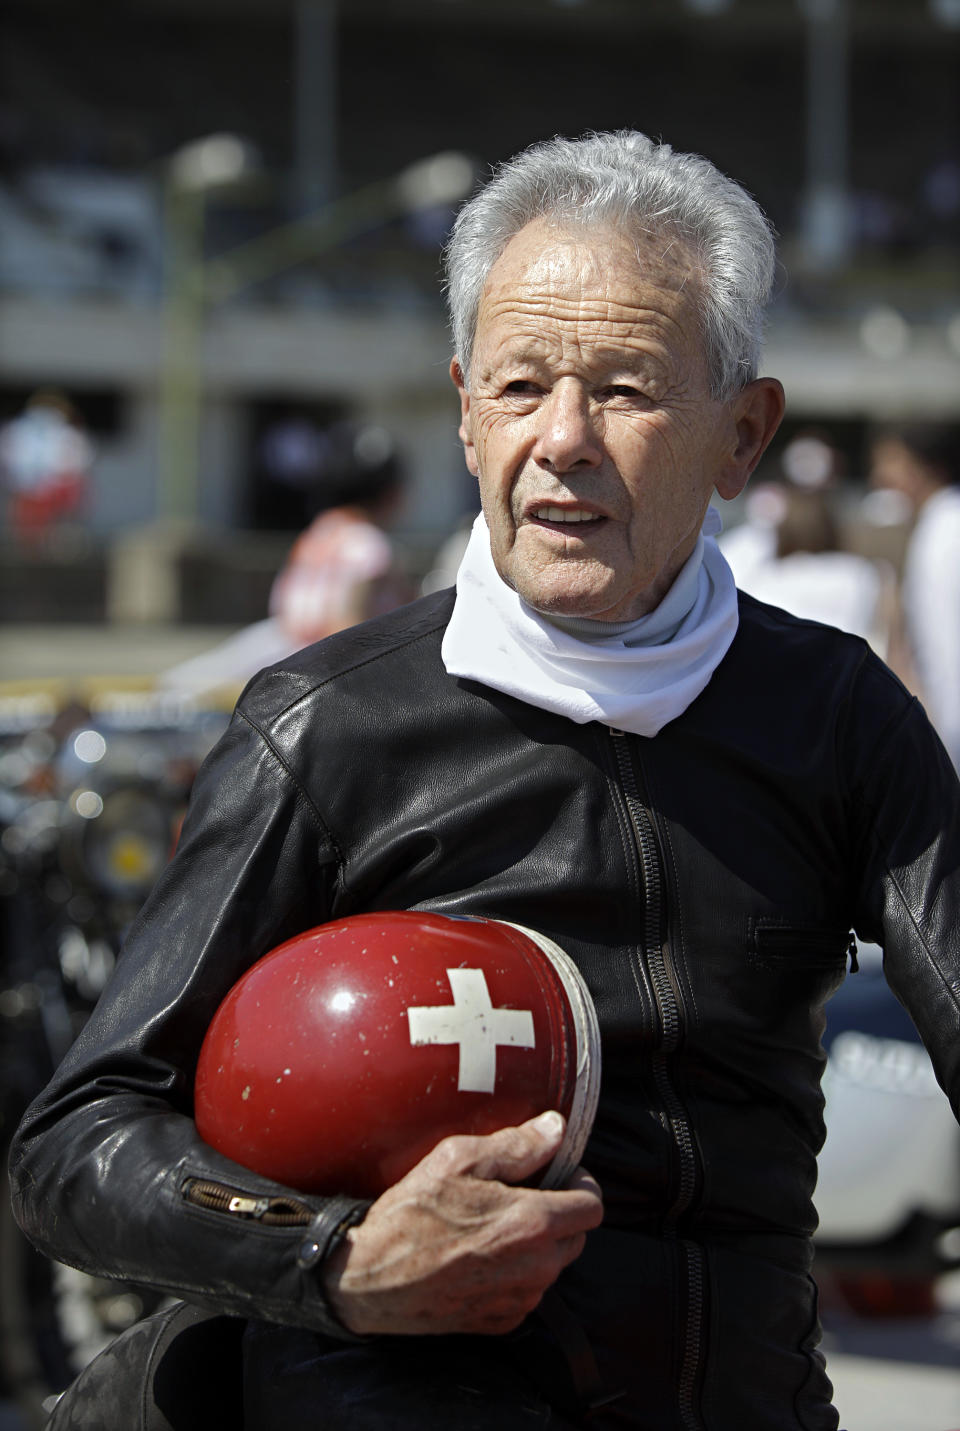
x=455, y=1246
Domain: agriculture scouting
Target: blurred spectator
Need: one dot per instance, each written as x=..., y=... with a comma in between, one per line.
x=341, y=570
x=921, y=461
x=809, y=460
x=45, y=460
x=789, y=552
x=753, y=542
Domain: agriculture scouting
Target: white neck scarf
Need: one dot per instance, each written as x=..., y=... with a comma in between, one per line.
x=635, y=678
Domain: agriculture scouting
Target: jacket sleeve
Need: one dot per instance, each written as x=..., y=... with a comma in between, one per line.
x=104, y=1157
x=905, y=800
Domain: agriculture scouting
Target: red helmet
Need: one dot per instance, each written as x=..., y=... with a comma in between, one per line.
x=343, y=1056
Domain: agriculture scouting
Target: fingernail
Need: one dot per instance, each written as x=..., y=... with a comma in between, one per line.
x=549, y=1124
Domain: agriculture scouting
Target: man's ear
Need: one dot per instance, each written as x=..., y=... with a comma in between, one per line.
x=755, y=412
x=465, y=431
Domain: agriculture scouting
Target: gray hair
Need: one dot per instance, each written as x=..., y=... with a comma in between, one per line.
x=625, y=179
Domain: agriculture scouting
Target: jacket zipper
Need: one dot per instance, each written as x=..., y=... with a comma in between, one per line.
x=656, y=955
x=271, y=1211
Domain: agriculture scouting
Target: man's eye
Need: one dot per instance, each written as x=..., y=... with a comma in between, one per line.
x=521, y=386
x=627, y=390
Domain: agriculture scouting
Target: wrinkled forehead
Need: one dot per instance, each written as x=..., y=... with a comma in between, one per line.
x=546, y=252
x=593, y=279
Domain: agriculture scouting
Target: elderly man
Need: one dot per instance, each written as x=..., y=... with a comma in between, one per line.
x=697, y=797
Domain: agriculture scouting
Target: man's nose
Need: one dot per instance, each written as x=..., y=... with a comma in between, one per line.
x=569, y=435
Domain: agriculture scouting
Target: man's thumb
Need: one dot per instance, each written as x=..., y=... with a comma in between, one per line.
x=512, y=1154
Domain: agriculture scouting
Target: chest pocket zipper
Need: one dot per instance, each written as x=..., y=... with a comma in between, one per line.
x=776, y=944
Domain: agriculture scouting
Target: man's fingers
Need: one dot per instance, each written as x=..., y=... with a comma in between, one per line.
x=511, y=1154
x=456, y=1245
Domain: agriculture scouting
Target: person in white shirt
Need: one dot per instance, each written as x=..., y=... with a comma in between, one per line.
x=922, y=461
x=790, y=552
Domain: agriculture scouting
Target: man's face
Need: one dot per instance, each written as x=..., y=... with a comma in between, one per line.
x=589, y=421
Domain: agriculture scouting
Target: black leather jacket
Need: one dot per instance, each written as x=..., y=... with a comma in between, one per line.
x=705, y=881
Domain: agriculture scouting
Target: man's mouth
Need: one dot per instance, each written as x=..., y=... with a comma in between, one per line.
x=565, y=514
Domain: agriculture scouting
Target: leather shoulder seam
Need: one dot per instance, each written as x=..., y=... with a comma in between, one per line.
x=301, y=792
x=345, y=671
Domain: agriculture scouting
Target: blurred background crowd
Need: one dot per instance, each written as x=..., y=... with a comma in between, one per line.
x=227, y=428
x=220, y=313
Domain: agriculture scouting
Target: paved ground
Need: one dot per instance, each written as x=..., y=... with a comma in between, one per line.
x=875, y=1395
x=898, y=1376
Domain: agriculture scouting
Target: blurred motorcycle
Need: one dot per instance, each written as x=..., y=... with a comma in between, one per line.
x=91, y=799
x=888, y=1192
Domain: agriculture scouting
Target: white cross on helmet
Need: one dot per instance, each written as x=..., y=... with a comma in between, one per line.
x=472, y=1022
